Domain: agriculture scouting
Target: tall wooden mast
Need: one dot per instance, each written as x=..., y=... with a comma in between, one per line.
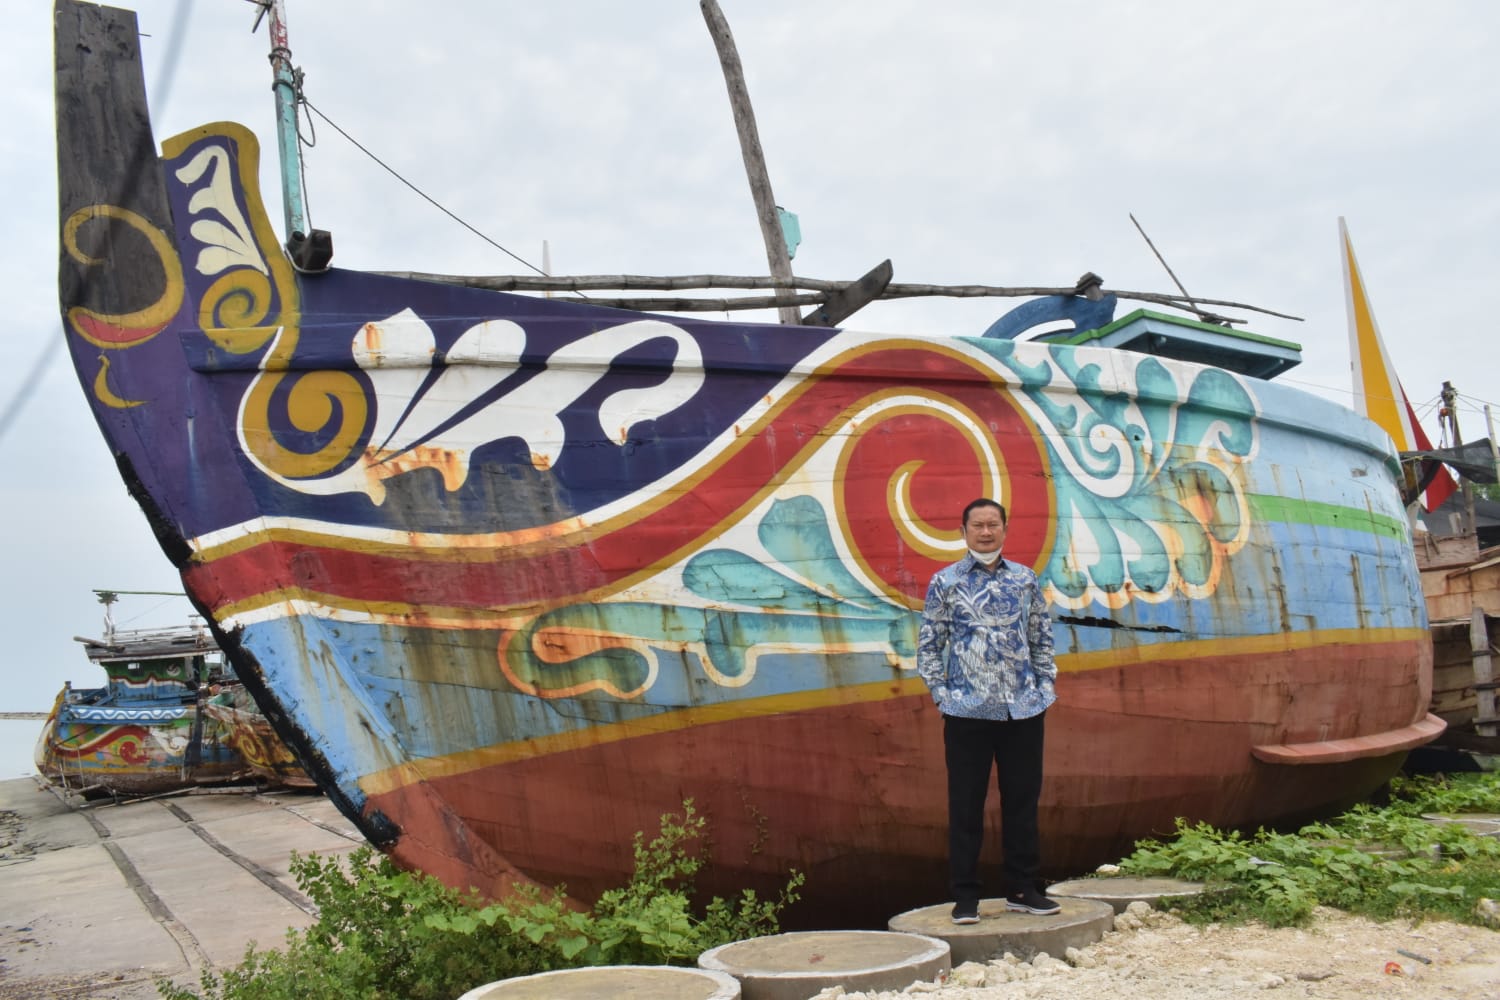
x=309, y=249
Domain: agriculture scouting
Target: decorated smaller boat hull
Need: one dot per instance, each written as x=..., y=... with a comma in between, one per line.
x=248, y=734
x=164, y=721
x=92, y=745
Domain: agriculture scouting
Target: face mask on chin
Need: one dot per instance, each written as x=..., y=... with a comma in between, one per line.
x=985, y=558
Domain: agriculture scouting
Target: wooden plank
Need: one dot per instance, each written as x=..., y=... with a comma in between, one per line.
x=1485, y=716
x=854, y=296
x=1453, y=677
x=1354, y=748
x=105, y=157
x=1454, y=708
x=1453, y=657
x=1460, y=740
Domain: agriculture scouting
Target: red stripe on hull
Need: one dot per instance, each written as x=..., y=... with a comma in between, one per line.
x=854, y=795
x=574, y=564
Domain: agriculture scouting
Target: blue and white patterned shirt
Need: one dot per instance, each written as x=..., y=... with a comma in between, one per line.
x=985, y=645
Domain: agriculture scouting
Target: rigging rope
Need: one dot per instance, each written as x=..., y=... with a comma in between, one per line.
x=428, y=198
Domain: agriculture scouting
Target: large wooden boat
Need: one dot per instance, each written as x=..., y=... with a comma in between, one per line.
x=517, y=576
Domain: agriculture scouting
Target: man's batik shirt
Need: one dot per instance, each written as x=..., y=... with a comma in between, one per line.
x=985, y=646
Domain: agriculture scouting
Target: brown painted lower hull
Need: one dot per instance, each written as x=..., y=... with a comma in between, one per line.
x=854, y=795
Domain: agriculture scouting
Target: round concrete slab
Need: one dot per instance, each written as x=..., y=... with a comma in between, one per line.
x=1081, y=922
x=642, y=982
x=1483, y=824
x=795, y=966
x=1119, y=891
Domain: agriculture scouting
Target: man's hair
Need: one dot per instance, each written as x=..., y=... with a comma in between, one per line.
x=984, y=502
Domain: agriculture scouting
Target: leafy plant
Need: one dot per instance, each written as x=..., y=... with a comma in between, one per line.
x=1416, y=796
x=385, y=934
x=1381, y=862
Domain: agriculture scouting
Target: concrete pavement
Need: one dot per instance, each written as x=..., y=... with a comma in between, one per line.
x=99, y=900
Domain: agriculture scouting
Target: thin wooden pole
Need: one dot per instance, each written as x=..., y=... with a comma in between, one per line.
x=755, y=161
x=1192, y=303
x=1449, y=396
x=1485, y=716
x=1489, y=425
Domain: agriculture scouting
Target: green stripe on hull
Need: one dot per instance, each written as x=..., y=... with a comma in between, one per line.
x=1292, y=511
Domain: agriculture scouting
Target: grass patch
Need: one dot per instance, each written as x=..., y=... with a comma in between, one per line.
x=1381, y=862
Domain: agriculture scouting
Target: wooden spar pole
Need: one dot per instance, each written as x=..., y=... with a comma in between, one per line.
x=286, y=120
x=755, y=161
x=1192, y=303
x=785, y=287
x=1449, y=395
x=309, y=249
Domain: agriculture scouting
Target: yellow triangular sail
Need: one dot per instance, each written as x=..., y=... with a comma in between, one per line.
x=1377, y=392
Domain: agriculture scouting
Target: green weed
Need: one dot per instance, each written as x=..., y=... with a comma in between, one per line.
x=1380, y=862
x=385, y=934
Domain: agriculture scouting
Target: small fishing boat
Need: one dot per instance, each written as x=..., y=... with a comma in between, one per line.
x=515, y=575
x=160, y=723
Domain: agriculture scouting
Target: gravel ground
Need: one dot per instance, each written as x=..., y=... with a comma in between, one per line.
x=1150, y=956
x=1153, y=955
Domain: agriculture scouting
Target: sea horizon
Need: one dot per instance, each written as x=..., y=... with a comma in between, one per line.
x=17, y=743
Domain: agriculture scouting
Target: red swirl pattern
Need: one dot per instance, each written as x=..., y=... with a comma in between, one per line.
x=584, y=563
x=908, y=476
x=125, y=742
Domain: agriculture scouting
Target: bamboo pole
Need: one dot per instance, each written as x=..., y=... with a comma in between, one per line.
x=674, y=305
x=755, y=161
x=896, y=290
x=1192, y=302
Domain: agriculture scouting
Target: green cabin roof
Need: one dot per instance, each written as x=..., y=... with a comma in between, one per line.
x=1181, y=339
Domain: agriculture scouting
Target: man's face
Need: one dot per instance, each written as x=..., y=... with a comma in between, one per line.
x=985, y=530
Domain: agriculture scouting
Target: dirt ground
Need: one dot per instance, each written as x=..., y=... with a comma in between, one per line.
x=1155, y=956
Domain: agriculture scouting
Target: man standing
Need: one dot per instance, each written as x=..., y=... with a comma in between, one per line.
x=985, y=652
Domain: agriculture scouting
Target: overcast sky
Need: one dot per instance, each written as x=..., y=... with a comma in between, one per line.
x=970, y=142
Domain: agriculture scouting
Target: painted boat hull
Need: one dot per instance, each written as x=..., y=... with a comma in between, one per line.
x=516, y=576
x=249, y=735
x=164, y=721
x=140, y=748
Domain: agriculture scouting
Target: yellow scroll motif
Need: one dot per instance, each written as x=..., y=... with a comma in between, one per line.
x=254, y=301
x=114, y=331
x=313, y=401
x=233, y=311
x=105, y=394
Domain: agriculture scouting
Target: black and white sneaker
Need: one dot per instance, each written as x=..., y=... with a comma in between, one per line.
x=1031, y=901
x=966, y=912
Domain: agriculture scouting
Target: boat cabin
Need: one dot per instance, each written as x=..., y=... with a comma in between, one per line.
x=1183, y=339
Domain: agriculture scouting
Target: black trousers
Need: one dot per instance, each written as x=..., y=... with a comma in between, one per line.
x=1014, y=748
